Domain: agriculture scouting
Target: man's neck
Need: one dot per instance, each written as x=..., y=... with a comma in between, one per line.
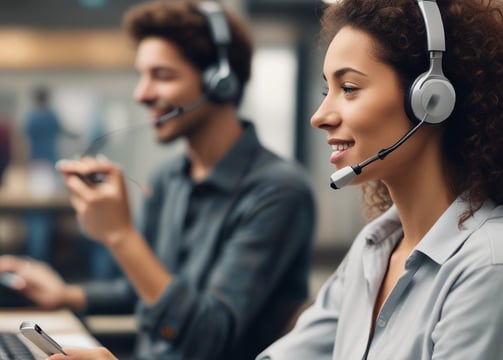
x=209, y=146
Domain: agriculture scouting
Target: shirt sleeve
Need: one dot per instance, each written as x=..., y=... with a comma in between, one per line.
x=268, y=231
x=313, y=336
x=472, y=317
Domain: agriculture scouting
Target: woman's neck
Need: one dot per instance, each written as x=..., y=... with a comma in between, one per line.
x=421, y=197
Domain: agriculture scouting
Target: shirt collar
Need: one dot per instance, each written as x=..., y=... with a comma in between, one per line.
x=445, y=236
x=229, y=170
x=383, y=226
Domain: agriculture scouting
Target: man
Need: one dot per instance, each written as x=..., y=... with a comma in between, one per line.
x=220, y=261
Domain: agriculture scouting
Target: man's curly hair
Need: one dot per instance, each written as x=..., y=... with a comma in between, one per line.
x=179, y=22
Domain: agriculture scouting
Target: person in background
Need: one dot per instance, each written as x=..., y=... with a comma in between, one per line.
x=423, y=279
x=6, y=133
x=5, y=144
x=220, y=261
x=43, y=129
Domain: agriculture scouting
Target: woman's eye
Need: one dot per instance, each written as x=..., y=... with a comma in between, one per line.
x=345, y=89
x=348, y=89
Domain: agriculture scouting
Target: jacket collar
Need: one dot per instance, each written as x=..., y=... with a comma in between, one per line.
x=228, y=171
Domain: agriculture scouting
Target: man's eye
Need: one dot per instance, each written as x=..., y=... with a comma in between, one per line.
x=325, y=91
x=162, y=74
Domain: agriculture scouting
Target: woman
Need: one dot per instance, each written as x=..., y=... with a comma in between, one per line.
x=423, y=280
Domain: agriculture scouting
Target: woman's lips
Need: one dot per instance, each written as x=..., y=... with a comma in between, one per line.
x=339, y=148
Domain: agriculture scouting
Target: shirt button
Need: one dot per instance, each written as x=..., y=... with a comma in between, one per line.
x=370, y=240
x=168, y=332
x=381, y=322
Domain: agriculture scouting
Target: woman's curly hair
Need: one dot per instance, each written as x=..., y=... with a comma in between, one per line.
x=473, y=62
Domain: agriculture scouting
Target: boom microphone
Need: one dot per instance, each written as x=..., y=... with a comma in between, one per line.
x=179, y=111
x=344, y=176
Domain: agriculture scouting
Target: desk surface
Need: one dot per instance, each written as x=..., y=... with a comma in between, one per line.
x=62, y=325
x=24, y=201
x=17, y=194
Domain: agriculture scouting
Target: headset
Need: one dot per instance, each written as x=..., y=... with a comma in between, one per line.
x=432, y=84
x=219, y=82
x=430, y=99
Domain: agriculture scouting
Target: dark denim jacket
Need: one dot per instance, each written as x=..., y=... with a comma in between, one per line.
x=239, y=247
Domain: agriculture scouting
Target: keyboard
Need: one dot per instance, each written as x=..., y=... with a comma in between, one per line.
x=13, y=348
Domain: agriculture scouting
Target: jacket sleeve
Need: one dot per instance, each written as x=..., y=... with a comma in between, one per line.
x=270, y=226
x=115, y=296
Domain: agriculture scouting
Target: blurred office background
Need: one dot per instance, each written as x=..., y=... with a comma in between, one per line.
x=76, y=49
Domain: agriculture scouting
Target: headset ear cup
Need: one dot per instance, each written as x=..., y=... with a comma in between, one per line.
x=408, y=103
x=220, y=84
x=220, y=88
x=433, y=96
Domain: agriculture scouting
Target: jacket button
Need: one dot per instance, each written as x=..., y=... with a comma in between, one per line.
x=167, y=332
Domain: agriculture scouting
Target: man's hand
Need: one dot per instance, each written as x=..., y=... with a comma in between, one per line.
x=102, y=208
x=38, y=282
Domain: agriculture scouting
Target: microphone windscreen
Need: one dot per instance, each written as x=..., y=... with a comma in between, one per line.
x=172, y=114
x=342, y=177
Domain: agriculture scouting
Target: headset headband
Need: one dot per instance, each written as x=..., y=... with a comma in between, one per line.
x=217, y=22
x=220, y=83
x=434, y=25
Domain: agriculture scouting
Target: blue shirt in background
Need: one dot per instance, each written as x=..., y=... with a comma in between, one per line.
x=43, y=129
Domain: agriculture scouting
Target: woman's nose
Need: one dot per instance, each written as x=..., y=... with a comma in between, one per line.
x=326, y=116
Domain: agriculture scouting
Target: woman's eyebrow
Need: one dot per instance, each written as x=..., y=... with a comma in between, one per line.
x=341, y=72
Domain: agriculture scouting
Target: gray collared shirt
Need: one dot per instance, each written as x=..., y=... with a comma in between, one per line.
x=447, y=304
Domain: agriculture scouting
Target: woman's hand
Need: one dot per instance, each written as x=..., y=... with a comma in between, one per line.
x=99, y=353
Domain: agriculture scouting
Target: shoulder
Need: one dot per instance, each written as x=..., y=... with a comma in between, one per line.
x=270, y=169
x=487, y=242
x=168, y=168
x=482, y=250
x=160, y=178
x=275, y=184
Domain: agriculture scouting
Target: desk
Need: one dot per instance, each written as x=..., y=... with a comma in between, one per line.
x=32, y=222
x=18, y=202
x=62, y=325
x=16, y=195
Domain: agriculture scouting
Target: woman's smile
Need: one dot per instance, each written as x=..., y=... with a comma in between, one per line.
x=339, y=148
